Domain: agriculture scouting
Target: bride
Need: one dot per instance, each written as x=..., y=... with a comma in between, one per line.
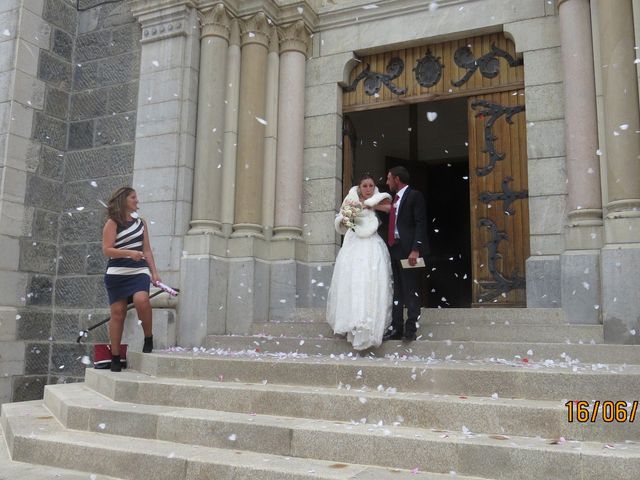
x=360, y=296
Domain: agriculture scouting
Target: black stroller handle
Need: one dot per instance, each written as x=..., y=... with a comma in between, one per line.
x=83, y=333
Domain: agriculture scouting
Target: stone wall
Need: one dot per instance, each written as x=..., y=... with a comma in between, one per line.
x=84, y=100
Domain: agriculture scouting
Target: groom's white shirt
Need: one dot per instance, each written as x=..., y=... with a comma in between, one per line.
x=397, y=207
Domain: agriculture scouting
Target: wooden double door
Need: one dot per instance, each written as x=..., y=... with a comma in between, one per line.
x=498, y=216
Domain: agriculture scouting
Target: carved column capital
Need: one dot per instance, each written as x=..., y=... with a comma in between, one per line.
x=294, y=37
x=256, y=29
x=216, y=22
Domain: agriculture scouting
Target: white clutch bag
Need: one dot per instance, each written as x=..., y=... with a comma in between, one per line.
x=419, y=263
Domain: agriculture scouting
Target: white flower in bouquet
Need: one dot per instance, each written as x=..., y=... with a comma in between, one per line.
x=350, y=210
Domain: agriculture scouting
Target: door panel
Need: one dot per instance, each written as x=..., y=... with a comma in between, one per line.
x=498, y=198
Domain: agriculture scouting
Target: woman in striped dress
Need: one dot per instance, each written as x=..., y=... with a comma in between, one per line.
x=125, y=240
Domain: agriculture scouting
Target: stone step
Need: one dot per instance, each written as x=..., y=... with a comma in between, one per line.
x=487, y=333
x=475, y=316
x=537, y=352
x=547, y=419
x=10, y=470
x=477, y=378
x=87, y=410
x=35, y=436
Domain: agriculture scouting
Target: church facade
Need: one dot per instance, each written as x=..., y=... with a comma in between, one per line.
x=240, y=123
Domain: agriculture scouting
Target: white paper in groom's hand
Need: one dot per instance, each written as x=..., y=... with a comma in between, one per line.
x=419, y=263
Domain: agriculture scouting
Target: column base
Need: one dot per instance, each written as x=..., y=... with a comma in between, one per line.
x=198, y=227
x=620, y=299
x=247, y=230
x=580, y=286
x=287, y=233
x=227, y=229
x=543, y=281
x=313, y=285
x=622, y=227
x=584, y=230
x=203, y=299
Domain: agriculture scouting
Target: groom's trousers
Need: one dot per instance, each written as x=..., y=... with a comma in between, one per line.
x=405, y=293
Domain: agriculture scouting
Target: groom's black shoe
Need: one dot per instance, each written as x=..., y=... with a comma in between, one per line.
x=392, y=335
x=410, y=336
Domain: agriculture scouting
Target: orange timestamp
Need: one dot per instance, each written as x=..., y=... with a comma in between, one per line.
x=608, y=410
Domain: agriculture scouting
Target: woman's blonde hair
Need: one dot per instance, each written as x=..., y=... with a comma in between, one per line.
x=117, y=207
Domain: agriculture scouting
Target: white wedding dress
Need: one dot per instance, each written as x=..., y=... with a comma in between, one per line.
x=361, y=291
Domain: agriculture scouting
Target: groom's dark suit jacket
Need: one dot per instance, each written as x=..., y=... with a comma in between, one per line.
x=412, y=223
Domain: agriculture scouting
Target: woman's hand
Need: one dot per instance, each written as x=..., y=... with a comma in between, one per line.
x=155, y=278
x=137, y=255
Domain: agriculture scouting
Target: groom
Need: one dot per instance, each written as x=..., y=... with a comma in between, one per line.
x=406, y=238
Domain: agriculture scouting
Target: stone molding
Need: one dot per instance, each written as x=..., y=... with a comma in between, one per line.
x=294, y=37
x=256, y=30
x=585, y=217
x=280, y=14
x=216, y=23
x=162, y=19
x=331, y=17
x=627, y=208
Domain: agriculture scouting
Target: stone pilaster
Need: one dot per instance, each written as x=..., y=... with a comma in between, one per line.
x=251, y=129
x=583, y=233
x=293, y=46
x=621, y=254
x=271, y=138
x=164, y=153
x=207, y=181
x=200, y=303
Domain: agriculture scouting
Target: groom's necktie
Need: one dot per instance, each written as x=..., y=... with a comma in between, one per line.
x=391, y=236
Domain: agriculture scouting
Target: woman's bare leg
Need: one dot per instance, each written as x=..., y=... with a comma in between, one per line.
x=143, y=308
x=116, y=325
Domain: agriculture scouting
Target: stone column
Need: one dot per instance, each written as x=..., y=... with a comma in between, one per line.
x=251, y=129
x=580, y=263
x=207, y=180
x=230, y=150
x=271, y=137
x=293, y=47
x=621, y=254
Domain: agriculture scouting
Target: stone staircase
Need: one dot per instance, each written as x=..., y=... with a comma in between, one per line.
x=481, y=395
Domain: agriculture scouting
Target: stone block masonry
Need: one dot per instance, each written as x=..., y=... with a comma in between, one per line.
x=77, y=83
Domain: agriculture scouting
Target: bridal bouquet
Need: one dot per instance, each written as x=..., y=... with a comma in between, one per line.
x=350, y=210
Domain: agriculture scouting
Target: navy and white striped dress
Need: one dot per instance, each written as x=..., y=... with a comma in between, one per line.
x=125, y=276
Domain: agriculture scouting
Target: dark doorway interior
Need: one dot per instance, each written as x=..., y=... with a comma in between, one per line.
x=434, y=151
